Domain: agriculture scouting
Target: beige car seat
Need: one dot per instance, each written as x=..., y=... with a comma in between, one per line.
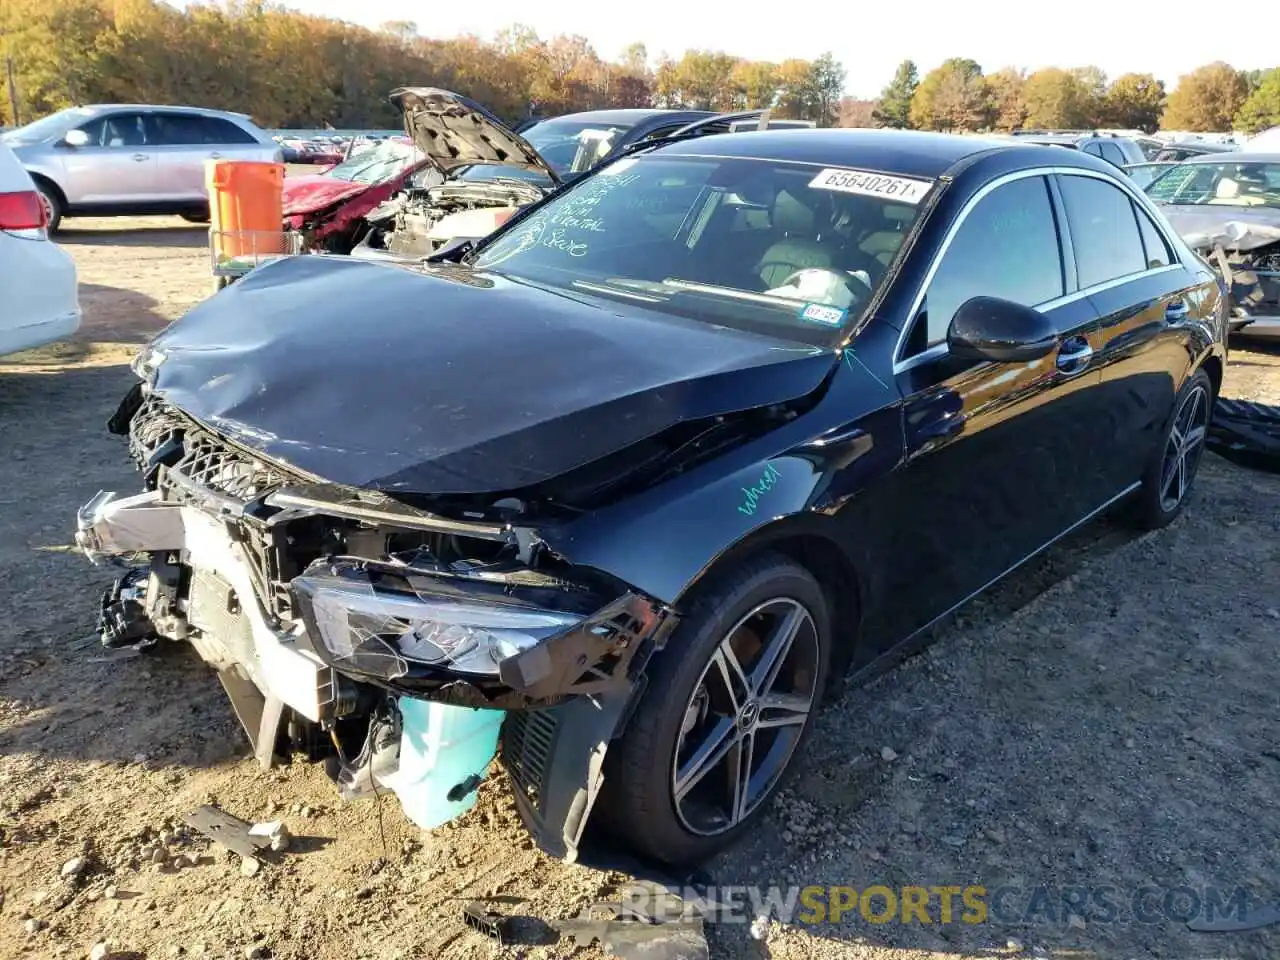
x=797, y=249
x=883, y=244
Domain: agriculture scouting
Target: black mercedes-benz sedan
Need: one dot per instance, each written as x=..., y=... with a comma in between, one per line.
x=614, y=492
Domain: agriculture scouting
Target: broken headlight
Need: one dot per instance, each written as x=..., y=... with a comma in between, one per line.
x=380, y=633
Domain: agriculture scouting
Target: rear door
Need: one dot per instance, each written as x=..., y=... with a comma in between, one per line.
x=998, y=455
x=185, y=141
x=1149, y=304
x=116, y=167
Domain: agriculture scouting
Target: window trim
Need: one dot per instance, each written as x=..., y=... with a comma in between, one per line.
x=901, y=364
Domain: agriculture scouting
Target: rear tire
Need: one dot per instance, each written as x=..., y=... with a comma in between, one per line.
x=658, y=799
x=1169, y=477
x=52, y=206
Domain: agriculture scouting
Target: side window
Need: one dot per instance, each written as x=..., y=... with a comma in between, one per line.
x=117, y=130
x=1113, y=154
x=1006, y=247
x=1093, y=148
x=218, y=130
x=1104, y=233
x=192, y=129
x=1157, y=250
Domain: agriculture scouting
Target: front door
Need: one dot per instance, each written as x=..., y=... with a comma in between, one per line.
x=998, y=456
x=116, y=167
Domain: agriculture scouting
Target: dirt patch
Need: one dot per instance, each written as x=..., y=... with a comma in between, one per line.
x=1105, y=720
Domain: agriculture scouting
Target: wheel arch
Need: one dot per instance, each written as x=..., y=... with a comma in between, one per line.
x=1213, y=366
x=41, y=179
x=811, y=541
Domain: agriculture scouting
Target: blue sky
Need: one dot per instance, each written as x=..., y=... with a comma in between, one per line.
x=1116, y=35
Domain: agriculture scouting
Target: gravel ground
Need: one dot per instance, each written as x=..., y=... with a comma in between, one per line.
x=1105, y=720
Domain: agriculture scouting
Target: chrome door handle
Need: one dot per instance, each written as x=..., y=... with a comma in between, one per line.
x=1074, y=357
x=215, y=155
x=140, y=157
x=1176, y=311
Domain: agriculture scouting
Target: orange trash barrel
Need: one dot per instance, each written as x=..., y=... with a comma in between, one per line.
x=246, y=208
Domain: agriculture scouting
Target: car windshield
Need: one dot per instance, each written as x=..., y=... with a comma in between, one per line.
x=789, y=250
x=375, y=165
x=1230, y=184
x=50, y=126
x=571, y=146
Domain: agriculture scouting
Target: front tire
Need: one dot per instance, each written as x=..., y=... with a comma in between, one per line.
x=728, y=705
x=1168, y=478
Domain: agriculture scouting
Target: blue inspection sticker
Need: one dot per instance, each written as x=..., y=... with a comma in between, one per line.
x=821, y=313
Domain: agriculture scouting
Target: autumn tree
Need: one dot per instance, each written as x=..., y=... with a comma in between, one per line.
x=1057, y=99
x=756, y=83
x=894, y=108
x=1134, y=102
x=1262, y=110
x=1005, y=96
x=1206, y=99
x=858, y=113
x=952, y=97
x=290, y=69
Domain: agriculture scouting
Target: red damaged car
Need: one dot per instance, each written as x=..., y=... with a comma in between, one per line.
x=329, y=207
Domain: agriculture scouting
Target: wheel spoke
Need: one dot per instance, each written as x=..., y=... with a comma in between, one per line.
x=740, y=770
x=776, y=649
x=1193, y=439
x=736, y=685
x=717, y=745
x=1170, y=475
x=783, y=710
x=1182, y=477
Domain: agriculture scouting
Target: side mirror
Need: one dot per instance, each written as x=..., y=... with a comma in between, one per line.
x=988, y=328
x=76, y=138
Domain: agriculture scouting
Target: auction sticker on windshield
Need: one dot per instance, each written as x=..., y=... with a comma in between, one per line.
x=903, y=189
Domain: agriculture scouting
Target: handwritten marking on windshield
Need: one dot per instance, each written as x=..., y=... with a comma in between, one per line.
x=754, y=494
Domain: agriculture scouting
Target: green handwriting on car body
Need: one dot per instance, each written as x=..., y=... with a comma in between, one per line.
x=753, y=495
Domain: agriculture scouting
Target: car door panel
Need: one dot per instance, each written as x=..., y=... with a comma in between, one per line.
x=117, y=166
x=1145, y=350
x=995, y=467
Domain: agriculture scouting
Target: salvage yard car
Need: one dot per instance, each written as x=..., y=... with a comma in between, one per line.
x=1227, y=207
x=129, y=159
x=476, y=172
x=635, y=477
x=41, y=295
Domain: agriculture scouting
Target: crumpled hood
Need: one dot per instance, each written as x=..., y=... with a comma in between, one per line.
x=312, y=193
x=444, y=381
x=1235, y=228
x=453, y=130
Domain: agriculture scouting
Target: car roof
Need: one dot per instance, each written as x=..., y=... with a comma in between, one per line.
x=102, y=107
x=627, y=115
x=910, y=153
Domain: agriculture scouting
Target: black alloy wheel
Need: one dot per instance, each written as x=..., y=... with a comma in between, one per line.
x=728, y=705
x=1173, y=467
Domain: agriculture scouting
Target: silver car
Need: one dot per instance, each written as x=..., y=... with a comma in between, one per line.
x=126, y=159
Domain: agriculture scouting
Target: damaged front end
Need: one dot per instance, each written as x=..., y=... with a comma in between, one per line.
x=393, y=642
x=1246, y=254
x=422, y=219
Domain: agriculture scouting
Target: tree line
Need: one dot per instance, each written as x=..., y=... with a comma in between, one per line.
x=958, y=96
x=289, y=69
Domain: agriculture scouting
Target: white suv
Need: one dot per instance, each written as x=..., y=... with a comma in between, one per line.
x=41, y=301
x=127, y=159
